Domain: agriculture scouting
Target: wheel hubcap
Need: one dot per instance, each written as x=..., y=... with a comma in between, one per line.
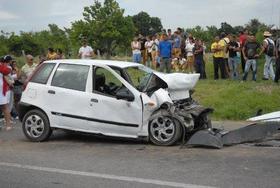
x=34, y=126
x=162, y=129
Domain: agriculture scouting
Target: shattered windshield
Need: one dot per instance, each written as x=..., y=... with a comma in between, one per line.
x=139, y=76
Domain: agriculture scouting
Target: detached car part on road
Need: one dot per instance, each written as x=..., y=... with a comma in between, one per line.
x=261, y=127
x=111, y=98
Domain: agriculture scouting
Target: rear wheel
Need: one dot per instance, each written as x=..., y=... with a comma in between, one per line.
x=36, y=126
x=164, y=130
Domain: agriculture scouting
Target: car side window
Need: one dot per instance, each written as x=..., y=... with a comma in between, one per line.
x=71, y=76
x=105, y=82
x=42, y=75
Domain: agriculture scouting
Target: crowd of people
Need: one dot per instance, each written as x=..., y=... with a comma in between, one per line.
x=170, y=51
x=183, y=53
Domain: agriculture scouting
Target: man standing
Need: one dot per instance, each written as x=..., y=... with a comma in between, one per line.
x=170, y=36
x=233, y=48
x=142, y=41
x=268, y=48
x=149, y=45
x=277, y=51
x=136, y=53
x=28, y=68
x=218, y=58
x=198, y=58
x=176, y=50
x=165, y=51
x=225, y=39
x=85, y=52
x=242, y=40
x=250, y=55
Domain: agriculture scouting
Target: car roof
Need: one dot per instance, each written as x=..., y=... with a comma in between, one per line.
x=120, y=64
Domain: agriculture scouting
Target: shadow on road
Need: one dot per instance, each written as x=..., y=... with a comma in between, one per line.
x=73, y=136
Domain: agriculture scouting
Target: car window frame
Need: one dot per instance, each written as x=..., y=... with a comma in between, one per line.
x=55, y=71
x=94, y=68
x=40, y=67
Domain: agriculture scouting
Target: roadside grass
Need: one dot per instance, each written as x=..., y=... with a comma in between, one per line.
x=233, y=100
x=236, y=100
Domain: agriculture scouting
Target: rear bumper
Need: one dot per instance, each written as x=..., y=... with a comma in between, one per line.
x=22, y=109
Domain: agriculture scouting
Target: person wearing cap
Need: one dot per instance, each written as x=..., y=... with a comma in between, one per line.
x=268, y=48
x=4, y=91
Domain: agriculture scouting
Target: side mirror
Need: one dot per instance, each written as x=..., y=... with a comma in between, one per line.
x=125, y=94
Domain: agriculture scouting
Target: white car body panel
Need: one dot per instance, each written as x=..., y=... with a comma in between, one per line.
x=160, y=97
x=179, y=84
x=274, y=116
x=75, y=110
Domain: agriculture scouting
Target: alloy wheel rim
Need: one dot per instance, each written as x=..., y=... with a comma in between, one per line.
x=162, y=129
x=34, y=126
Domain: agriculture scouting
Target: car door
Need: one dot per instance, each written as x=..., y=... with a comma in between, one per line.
x=67, y=96
x=112, y=116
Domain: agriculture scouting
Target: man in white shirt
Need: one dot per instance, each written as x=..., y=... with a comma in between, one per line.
x=85, y=52
x=268, y=48
x=149, y=46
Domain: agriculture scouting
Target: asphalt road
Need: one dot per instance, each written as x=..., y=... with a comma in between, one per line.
x=79, y=160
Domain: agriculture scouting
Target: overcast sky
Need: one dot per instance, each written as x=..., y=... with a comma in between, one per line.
x=35, y=15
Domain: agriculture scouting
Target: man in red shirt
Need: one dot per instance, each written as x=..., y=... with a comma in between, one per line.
x=242, y=39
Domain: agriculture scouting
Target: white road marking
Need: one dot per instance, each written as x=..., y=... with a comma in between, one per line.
x=104, y=176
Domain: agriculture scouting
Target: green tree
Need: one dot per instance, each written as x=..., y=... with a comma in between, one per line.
x=254, y=25
x=226, y=28
x=53, y=37
x=105, y=27
x=146, y=25
x=4, y=41
x=23, y=42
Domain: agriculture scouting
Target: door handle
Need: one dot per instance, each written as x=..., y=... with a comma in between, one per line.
x=51, y=92
x=94, y=100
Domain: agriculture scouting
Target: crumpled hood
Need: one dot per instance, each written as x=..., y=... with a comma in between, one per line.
x=179, y=83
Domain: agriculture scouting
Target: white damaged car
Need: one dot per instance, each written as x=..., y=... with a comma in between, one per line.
x=112, y=98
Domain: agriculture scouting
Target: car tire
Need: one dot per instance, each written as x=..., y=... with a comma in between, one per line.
x=36, y=126
x=164, y=130
x=203, y=122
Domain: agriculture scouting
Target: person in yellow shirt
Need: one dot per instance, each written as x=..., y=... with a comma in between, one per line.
x=217, y=48
x=51, y=54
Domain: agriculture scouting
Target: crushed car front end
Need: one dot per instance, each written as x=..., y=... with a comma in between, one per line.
x=169, y=112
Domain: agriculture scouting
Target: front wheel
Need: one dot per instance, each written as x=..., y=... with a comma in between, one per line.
x=164, y=130
x=36, y=126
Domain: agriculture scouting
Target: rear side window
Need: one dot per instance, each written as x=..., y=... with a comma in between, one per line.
x=71, y=76
x=42, y=75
